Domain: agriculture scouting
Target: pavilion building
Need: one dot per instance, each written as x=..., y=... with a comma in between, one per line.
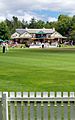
x=33, y=35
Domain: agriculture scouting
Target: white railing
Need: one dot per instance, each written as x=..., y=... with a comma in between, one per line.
x=37, y=106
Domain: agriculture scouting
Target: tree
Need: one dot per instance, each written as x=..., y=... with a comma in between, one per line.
x=9, y=24
x=72, y=35
x=32, y=23
x=64, y=25
x=40, y=24
x=16, y=24
x=24, y=24
x=4, y=31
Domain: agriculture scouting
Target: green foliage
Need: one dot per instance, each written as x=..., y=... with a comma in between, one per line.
x=72, y=35
x=40, y=24
x=64, y=25
x=13, y=24
x=24, y=24
x=4, y=31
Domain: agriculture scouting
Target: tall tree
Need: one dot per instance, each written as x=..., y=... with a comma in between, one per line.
x=40, y=24
x=16, y=23
x=24, y=24
x=9, y=24
x=32, y=23
x=4, y=31
x=64, y=25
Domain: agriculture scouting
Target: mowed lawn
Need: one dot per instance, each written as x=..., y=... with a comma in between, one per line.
x=37, y=70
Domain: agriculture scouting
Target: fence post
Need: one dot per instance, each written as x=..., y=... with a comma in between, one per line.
x=5, y=105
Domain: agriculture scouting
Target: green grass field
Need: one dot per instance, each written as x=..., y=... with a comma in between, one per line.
x=37, y=70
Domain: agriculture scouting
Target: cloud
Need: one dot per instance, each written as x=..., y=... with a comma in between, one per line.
x=2, y=18
x=35, y=4
x=26, y=9
x=23, y=15
x=51, y=19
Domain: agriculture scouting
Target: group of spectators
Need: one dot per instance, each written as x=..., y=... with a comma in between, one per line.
x=36, y=44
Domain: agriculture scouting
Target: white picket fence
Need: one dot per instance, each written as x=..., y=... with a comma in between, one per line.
x=37, y=106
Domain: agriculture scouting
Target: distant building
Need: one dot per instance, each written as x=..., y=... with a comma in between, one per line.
x=42, y=35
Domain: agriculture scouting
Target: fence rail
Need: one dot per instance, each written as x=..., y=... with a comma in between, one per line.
x=37, y=106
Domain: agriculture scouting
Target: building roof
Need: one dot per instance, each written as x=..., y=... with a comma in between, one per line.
x=15, y=35
x=25, y=35
x=56, y=35
x=20, y=31
x=32, y=31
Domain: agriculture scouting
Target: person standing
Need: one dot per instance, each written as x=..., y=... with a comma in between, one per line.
x=6, y=46
x=3, y=47
x=42, y=45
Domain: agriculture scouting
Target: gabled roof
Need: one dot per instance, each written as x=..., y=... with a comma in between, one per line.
x=20, y=31
x=15, y=35
x=32, y=31
x=25, y=35
x=56, y=35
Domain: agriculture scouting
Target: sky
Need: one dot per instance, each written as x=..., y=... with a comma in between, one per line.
x=46, y=10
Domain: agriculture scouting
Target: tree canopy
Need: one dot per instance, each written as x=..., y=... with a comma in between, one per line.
x=4, y=31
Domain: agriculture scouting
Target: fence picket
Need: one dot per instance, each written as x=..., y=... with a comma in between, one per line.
x=32, y=115
x=52, y=115
x=12, y=107
x=72, y=107
x=45, y=107
x=38, y=116
x=58, y=103
x=19, y=109
x=25, y=95
x=65, y=103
